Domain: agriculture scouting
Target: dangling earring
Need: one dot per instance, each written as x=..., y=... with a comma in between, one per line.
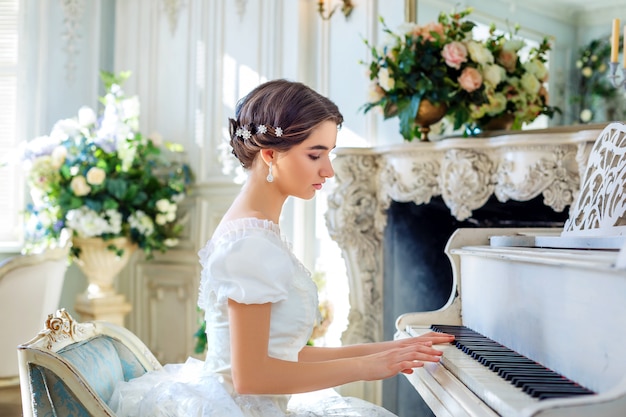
x=270, y=177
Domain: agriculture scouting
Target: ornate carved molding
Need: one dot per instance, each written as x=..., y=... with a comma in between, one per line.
x=73, y=11
x=466, y=179
x=352, y=210
x=465, y=172
x=548, y=170
x=61, y=329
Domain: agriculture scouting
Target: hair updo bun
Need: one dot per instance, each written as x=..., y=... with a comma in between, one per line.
x=277, y=115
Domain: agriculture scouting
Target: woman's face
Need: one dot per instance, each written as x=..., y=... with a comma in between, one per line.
x=303, y=169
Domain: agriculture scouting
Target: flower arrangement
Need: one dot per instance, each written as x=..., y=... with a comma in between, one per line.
x=100, y=177
x=593, y=82
x=512, y=85
x=477, y=81
x=417, y=63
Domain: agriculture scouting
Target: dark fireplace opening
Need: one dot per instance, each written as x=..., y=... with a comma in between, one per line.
x=418, y=275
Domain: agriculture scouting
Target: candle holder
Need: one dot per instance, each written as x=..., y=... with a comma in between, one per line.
x=613, y=75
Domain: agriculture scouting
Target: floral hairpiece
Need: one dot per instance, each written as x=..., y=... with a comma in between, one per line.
x=247, y=131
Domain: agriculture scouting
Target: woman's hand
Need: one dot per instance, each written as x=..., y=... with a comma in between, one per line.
x=403, y=359
x=433, y=337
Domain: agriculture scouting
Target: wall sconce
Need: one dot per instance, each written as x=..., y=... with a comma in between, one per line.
x=346, y=9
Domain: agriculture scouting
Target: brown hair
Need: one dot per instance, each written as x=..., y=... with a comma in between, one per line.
x=291, y=106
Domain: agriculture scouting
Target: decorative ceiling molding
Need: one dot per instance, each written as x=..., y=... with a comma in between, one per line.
x=172, y=9
x=73, y=11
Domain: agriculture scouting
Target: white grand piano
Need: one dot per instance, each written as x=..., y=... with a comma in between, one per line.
x=542, y=311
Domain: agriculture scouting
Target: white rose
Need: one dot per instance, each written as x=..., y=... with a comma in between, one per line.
x=513, y=45
x=170, y=216
x=163, y=205
x=479, y=53
x=161, y=219
x=79, y=186
x=95, y=176
x=493, y=74
x=537, y=68
x=530, y=83
x=384, y=79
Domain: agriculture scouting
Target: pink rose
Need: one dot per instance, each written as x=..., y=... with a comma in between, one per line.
x=454, y=53
x=470, y=79
x=508, y=59
x=431, y=27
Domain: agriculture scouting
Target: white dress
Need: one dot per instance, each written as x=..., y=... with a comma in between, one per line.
x=248, y=261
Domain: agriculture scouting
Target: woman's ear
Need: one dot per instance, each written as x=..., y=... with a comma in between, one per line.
x=267, y=155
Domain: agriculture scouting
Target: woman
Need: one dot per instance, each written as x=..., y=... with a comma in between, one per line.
x=260, y=302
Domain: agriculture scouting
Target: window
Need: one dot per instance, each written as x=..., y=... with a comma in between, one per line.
x=11, y=184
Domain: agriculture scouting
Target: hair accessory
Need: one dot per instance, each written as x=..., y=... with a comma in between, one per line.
x=247, y=131
x=270, y=177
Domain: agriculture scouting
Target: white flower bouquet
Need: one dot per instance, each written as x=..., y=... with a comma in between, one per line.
x=100, y=177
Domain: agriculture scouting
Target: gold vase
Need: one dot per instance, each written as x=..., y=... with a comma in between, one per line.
x=100, y=264
x=501, y=122
x=428, y=114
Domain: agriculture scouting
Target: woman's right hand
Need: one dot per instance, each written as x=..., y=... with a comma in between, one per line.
x=393, y=361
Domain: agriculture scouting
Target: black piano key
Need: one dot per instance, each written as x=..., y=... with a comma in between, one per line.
x=539, y=390
x=484, y=359
x=527, y=383
x=549, y=395
x=521, y=375
x=531, y=377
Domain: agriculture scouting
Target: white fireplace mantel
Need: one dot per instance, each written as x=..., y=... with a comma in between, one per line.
x=465, y=172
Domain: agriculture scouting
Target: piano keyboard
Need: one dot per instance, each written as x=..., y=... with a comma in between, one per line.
x=508, y=383
x=529, y=376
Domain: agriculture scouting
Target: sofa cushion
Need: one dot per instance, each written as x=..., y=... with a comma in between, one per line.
x=99, y=362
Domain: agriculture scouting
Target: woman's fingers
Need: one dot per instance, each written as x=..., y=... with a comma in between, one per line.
x=436, y=337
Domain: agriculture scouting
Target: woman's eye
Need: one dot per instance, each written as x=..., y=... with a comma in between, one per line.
x=314, y=157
